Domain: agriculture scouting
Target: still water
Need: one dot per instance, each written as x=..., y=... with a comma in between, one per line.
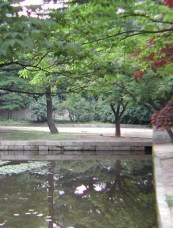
x=77, y=194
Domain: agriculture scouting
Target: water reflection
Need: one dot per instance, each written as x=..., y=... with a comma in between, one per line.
x=79, y=194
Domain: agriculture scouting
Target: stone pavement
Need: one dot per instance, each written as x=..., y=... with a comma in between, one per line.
x=163, y=164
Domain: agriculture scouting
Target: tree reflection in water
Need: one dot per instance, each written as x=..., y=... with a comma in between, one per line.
x=52, y=223
x=79, y=194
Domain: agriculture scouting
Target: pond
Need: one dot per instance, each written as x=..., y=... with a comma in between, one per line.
x=77, y=194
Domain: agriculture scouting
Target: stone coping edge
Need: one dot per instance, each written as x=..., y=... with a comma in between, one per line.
x=164, y=214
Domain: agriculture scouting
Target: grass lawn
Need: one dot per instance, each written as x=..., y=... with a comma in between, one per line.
x=35, y=135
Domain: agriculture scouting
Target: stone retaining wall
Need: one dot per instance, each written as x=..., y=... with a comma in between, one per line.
x=72, y=146
x=25, y=149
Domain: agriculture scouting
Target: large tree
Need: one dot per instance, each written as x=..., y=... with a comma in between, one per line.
x=112, y=91
x=21, y=29
x=155, y=58
x=43, y=51
x=78, y=45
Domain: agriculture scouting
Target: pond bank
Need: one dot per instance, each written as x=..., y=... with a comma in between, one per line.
x=90, y=146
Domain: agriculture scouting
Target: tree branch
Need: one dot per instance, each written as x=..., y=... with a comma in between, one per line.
x=123, y=108
x=25, y=92
x=149, y=18
x=121, y=85
x=131, y=33
x=8, y=64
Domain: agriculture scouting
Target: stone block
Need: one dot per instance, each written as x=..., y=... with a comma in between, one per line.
x=31, y=148
x=72, y=148
x=88, y=148
x=19, y=152
x=56, y=148
x=3, y=147
x=43, y=148
x=16, y=148
x=4, y=153
x=12, y=152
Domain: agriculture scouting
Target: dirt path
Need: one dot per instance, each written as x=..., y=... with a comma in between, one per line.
x=126, y=132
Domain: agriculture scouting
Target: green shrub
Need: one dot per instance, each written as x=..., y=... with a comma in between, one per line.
x=79, y=108
x=39, y=110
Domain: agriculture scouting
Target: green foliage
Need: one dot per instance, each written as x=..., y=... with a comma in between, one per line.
x=136, y=115
x=38, y=108
x=9, y=81
x=79, y=108
x=104, y=111
x=13, y=101
x=150, y=91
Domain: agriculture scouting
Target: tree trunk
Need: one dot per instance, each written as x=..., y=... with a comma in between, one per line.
x=117, y=119
x=117, y=128
x=170, y=134
x=50, y=192
x=9, y=114
x=50, y=120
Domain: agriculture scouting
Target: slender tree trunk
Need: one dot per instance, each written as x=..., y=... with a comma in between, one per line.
x=117, y=120
x=50, y=193
x=170, y=134
x=117, y=128
x=50, y=120
x=9, y=114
